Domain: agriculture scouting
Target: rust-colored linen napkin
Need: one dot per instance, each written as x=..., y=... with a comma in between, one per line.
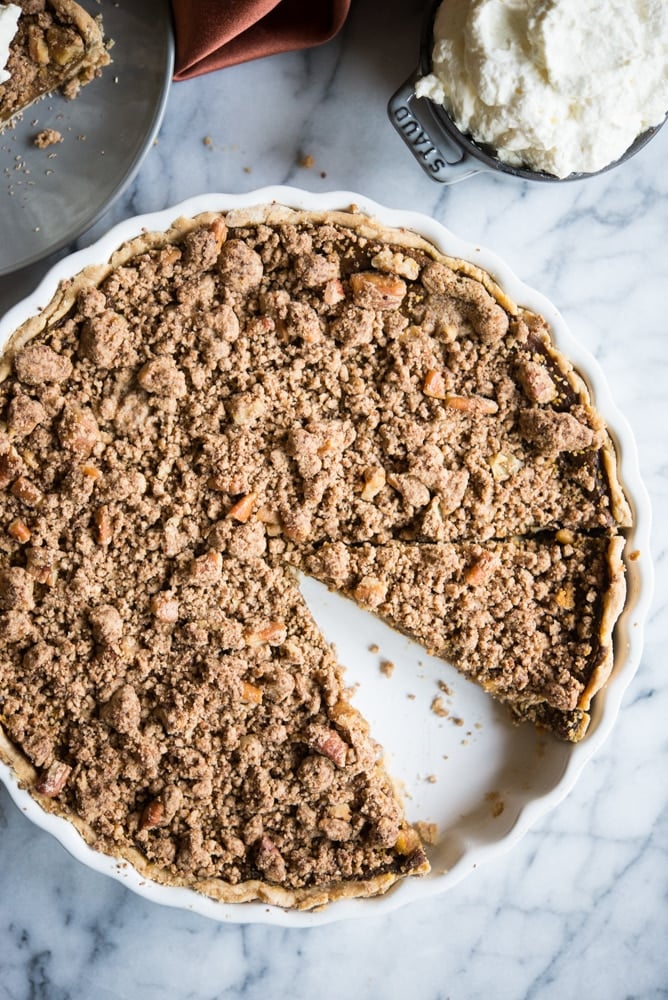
x=211, y=34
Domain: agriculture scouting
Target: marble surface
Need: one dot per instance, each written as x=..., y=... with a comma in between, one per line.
x=578, y=908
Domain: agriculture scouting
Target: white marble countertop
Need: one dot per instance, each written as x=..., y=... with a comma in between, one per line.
x=578, y=907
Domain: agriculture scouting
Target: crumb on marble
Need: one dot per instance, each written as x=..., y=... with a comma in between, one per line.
x=306, y=161
x=387, y=668
x=374, y=648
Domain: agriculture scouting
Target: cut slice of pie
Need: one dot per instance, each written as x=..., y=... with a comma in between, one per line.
x=57, y=46
x=529, y=619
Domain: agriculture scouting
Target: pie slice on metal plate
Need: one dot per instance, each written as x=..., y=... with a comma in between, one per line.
x=57, y=46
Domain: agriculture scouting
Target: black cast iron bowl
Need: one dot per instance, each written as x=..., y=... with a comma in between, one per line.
x=448, y=155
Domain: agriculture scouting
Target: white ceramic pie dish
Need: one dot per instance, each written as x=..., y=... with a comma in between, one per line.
x=482, y=780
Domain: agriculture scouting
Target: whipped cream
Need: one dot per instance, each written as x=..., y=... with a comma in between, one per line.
x=562, y=86
x=9, y=19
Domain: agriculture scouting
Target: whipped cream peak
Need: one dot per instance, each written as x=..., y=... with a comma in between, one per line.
x=9, y=20
x=562, y=86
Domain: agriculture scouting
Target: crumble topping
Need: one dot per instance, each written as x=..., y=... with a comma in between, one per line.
x=227, y=401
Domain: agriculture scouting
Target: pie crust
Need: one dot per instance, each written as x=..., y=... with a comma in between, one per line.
x=245, y=393
x=58, y=46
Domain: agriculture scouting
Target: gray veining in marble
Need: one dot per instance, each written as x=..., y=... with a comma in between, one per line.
x=579, y=907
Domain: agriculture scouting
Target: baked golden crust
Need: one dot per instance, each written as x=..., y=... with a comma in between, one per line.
x=58, y=46
x=173, y=359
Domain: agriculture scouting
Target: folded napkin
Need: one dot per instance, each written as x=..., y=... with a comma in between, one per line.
x=211, y=34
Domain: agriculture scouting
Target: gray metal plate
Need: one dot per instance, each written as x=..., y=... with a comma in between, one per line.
x=50, y=196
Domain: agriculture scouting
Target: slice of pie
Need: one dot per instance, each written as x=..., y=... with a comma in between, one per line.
x=57, y=46
x=245, y=393
x=529, y=619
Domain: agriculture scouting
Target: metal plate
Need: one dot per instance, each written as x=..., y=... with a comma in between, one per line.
x=48, y=197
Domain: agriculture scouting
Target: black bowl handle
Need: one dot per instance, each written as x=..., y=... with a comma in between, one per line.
x=441, y=158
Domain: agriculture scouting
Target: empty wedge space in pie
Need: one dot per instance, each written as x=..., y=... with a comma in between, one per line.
x=221, y=406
